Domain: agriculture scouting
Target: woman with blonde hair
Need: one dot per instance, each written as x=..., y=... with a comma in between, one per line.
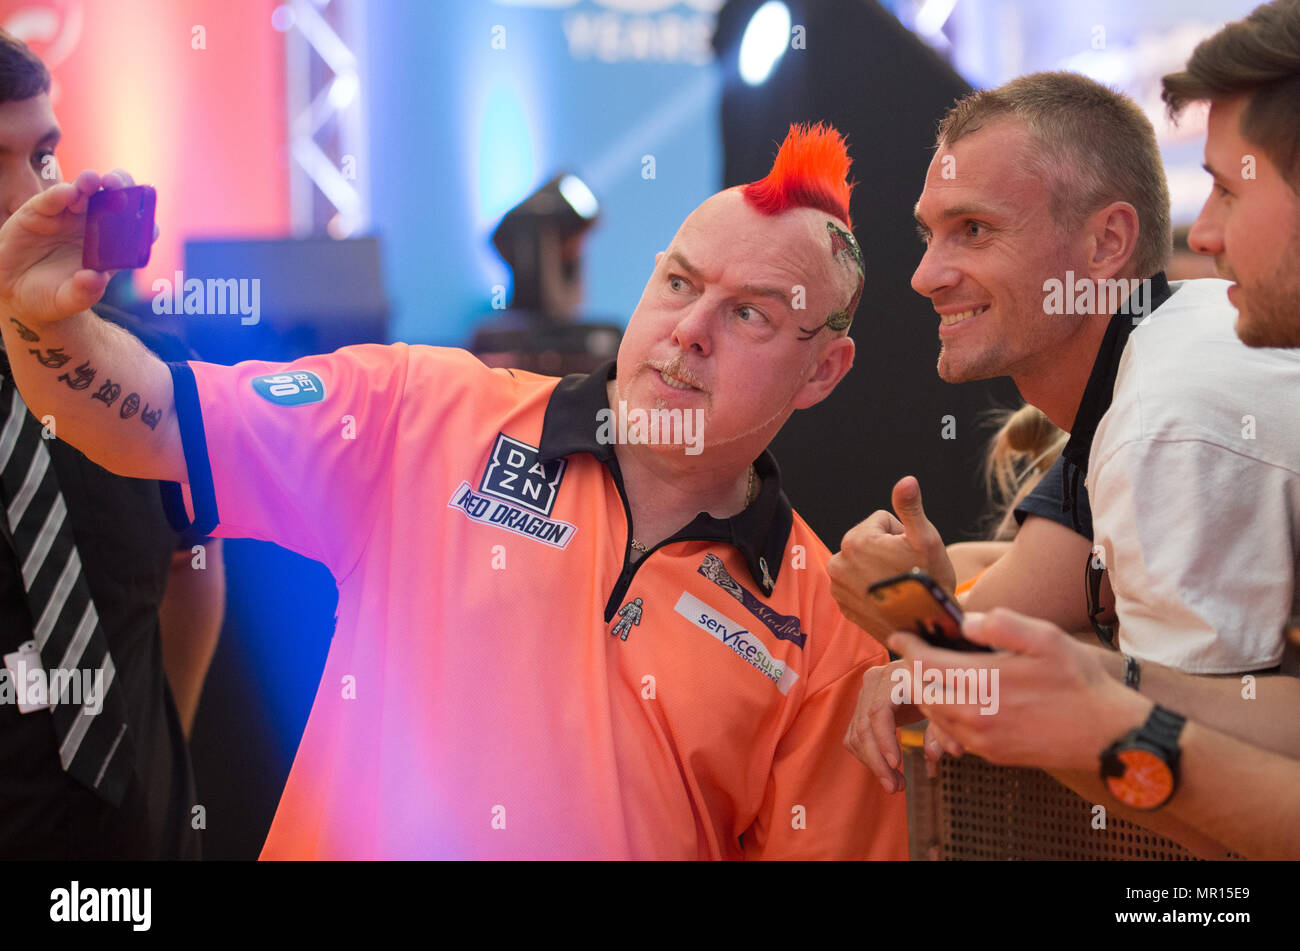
x=1020, y=453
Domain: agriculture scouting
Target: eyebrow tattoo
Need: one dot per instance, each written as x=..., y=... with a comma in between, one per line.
x=845, y=250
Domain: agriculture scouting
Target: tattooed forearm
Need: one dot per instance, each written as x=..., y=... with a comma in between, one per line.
x=85, y=374
x=23, y=331
x=108, y=391
x=54, y=357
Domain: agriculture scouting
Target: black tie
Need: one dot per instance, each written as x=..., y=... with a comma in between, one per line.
x=95, y=748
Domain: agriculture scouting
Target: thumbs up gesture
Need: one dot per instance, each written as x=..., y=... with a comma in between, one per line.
x=883, y=545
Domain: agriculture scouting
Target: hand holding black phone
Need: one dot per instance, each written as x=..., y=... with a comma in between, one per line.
x=915, y=602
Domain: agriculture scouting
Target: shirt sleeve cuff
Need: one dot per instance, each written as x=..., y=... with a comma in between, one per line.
x=194, y=441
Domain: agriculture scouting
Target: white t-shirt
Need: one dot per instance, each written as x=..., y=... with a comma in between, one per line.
x=1194, y=478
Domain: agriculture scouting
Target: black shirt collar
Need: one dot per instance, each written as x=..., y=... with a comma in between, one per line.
x=1100, y=389
x=760, y=532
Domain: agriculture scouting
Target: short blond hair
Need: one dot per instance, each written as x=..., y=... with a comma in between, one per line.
x=1093, y=144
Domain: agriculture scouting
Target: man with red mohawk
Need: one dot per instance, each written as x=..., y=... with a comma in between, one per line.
x=577, y=618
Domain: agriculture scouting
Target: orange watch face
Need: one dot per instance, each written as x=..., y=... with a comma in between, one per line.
x=1147, y=781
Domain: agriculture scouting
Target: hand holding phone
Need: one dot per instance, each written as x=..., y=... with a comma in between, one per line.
x=916, y=603
x=119, y=228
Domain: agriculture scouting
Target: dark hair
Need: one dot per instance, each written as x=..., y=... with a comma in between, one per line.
x=1257, y=57
x=1092, y=143
x=22, y=74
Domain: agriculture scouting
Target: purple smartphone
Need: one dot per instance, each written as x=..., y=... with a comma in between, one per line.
x=119, y=228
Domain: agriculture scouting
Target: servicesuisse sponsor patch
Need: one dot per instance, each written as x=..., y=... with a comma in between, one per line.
x=290, y=389
x=739, y=639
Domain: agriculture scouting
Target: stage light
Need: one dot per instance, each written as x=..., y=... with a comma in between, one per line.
x=931, y=18
x=579, y=196
x=541, y=240
x=344, y=89
x=764, y=42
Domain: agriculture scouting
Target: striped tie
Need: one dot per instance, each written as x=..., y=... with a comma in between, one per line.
x=89, y=716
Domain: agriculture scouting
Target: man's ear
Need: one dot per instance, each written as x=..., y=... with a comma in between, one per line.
x=1113, y=237
x=658, y=256
x=833, y=365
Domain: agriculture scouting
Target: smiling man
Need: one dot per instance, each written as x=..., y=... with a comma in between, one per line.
x=1213, y=773
x=549, y=645
x=1187, y=437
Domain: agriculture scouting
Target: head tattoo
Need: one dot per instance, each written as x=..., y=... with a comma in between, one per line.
x=844, y=249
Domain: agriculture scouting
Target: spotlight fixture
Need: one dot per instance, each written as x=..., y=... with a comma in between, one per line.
x=764, y=42
x=540, y=239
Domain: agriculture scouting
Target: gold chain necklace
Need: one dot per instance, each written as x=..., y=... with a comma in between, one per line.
x=749, y=500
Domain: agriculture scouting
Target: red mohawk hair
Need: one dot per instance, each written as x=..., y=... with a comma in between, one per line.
x=811, y=170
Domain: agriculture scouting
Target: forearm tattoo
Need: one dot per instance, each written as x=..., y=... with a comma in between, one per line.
x=84, y=375
x=54, y=357
x=25, y=332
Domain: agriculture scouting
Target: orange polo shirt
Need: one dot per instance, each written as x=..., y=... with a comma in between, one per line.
x=503, y=681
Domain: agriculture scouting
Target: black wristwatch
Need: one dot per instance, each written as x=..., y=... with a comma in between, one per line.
x=1141, y=767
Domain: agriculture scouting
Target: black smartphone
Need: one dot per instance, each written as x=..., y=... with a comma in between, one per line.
x=119, y=228
x=916, y=603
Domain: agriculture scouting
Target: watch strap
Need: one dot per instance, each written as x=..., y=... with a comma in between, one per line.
x=1162, y=730
x=1132, y=672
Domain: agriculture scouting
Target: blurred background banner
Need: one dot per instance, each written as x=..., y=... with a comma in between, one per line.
x=423, y=121
x=189, y=97
x=356, y=160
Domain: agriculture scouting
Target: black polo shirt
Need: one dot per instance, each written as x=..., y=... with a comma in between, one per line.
x=1060, y=495
x=125, y=546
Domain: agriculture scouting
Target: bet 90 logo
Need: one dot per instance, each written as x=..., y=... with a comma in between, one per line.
x=290, y=389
